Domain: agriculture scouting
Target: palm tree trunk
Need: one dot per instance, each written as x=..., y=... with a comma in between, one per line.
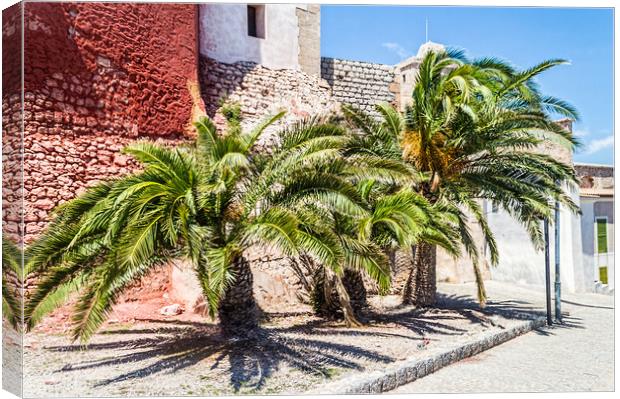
x=421, y=285
x=334, y=297
x=390, y=253
x=410, y=284
x=426, y=279
x=482, y=292
x=238, y=311
x=343, y=298
x=354, y=284
x=323, y=297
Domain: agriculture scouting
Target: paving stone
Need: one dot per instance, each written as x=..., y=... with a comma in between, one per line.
x=576, y=356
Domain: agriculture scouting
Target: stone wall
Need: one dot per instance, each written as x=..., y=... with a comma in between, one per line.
x=12, y=192
x=595, y=176
x=96, y=77
x=361, y=84
x=277, y=287
x=263, y=91
x=260, y=91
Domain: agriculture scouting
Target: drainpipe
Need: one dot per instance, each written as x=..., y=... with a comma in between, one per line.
x=558, y=284
x=547, y=271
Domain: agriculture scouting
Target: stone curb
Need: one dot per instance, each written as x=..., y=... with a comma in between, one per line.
x=409, y=370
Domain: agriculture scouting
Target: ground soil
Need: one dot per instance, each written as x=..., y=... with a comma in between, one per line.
x=140, y=352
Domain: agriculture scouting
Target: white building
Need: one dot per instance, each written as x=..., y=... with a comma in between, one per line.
x=522, y=263
x=586, y=240
x=597, y=224
x=277, y=36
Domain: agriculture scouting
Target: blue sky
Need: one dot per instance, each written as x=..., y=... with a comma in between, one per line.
x=523, y=36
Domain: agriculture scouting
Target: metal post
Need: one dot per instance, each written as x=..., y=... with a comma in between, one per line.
x=558, y=283
x=547, y=272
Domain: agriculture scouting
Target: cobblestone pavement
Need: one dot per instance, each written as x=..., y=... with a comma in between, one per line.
x=576, y=356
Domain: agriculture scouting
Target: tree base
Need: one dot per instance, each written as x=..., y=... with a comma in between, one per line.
x=421, y=286
x=332, y=308
x=238, y=312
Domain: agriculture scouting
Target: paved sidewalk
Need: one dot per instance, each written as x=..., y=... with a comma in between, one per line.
x=576, y=356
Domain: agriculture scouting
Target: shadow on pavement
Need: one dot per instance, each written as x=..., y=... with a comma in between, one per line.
x=587, y=305
x=252, y=360
x=170, y=346
x=568, y=322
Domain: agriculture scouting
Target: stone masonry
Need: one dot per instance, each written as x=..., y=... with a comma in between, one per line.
x=358, y=83
x=97, y=76
x=262, y=91
x=595, y=176
x=91, y=88
x=12, y=189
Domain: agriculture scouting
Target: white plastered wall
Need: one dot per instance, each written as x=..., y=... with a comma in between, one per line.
x=224, y=35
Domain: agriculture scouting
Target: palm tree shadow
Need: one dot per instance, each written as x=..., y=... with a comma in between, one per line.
x=434, y=320
x=251, y=360
x=568, y=322
x=508, y=309
x=171, y=346
x=421, y=322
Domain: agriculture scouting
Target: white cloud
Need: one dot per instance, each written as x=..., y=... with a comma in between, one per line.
x=597, y=145
x=581, y=133
x=398, y=49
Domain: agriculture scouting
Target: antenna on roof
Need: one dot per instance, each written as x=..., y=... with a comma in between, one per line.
x=427, y=30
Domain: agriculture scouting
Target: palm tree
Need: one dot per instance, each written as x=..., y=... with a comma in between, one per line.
x=12, y=283
x=395, y=219
x=362, y=147
x=397, y=216
x=208, y=203
x=471, y=132
x=482, y=147
x=384, y=215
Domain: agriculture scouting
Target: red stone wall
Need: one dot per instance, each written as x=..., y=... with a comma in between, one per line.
x=11, y=122
x=96, y=77
x=12, y=350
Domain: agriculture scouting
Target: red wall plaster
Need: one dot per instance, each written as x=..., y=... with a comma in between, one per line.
x=123, y=64
x=98, y=76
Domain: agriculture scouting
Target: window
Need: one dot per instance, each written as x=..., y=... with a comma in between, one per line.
x=256, y=21
x=602, y=275
x=404, y=78
x=601, y=235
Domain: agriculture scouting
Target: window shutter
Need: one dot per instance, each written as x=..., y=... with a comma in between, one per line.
x=601, y=235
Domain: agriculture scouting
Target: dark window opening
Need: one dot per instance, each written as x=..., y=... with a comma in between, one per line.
x=256, y=21
x=252, y=21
